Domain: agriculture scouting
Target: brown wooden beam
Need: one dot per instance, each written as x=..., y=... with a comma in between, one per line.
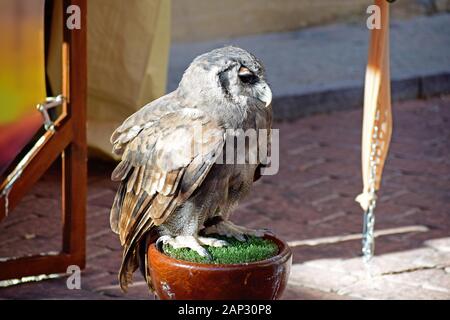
x=34, y=265
x=75, y=156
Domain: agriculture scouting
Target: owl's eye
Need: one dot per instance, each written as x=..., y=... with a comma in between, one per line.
x=247, y=76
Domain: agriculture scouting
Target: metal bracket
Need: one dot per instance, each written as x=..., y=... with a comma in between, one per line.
x=50, y=103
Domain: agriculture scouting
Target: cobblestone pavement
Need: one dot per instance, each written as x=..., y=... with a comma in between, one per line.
x=309, y=203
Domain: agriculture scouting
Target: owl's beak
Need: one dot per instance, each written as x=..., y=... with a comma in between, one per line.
x=264, y=94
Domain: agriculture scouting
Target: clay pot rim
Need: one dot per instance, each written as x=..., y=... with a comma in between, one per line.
x=284, y=253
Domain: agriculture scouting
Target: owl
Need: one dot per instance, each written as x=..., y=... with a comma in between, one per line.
x=176, y=183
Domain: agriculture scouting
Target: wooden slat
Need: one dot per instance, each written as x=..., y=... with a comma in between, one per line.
x=35, y=265
x=75, y=155
x=38, y=165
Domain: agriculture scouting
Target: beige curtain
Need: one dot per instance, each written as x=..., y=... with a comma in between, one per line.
x=128, y=52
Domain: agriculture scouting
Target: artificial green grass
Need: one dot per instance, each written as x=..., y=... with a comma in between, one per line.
x=254, y=249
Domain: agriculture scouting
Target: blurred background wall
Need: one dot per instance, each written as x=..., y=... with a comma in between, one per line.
x=128, y=54
x=197, y=20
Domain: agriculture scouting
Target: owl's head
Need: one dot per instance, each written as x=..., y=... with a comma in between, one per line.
x=228, y=74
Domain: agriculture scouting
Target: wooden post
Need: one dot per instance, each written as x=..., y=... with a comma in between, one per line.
x=377, y=123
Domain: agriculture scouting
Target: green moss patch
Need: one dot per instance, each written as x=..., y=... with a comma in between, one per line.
x=254, y=249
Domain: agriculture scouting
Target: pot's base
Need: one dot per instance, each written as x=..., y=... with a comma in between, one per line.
x=177, y=279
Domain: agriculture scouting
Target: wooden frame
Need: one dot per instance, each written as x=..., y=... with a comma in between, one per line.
x=68, y=141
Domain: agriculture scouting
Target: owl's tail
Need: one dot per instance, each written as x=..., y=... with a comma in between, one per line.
x=134, y=257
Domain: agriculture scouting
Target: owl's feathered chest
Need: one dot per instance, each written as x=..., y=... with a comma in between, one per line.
x=245, y=118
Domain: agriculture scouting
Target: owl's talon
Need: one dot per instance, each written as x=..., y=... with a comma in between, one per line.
x=203, y=252
x=229, y=229
x=268, y=231
x=191, y=242
x=238, y=236
x=162, y=241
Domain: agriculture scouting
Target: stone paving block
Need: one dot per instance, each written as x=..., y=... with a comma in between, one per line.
x=431, y=279
x=318, y=278
x=109, y=263
x=99, y=278
x=39, y=290
x=101, y=197
x=422, y=268
x=295, y=292
x=105, y=240
x=442, y=245
x=381, y=288
x=397, y=262
x=32, y=246
x=415, y=193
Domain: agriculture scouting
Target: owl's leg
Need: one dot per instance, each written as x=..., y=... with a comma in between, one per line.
x=191, y=242
x=229, y=229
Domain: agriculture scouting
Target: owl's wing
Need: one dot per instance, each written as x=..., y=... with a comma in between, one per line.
x=142, y=119
x=160, y=168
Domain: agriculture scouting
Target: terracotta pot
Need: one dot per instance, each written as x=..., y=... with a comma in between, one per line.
x=177, y=279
